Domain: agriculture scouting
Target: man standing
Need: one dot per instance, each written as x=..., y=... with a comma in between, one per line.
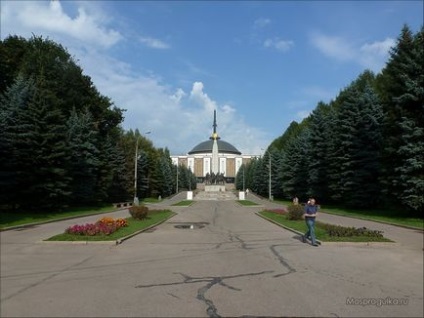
x=310, y=214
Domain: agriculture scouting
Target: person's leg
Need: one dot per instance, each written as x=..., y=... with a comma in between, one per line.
x=308, y=233
x=311, y=227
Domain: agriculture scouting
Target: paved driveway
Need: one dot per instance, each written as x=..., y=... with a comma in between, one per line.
x=232, y=264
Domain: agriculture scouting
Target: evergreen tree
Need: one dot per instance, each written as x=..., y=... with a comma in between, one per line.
x=85, y=163
x=12, y=103
x=401, y=89
x=359, y=138
x=319, y=144
x=41, y=152
x=294, y=172
x=411, y=170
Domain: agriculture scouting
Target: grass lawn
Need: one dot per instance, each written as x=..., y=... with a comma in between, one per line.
x=247, y=202
x=133, y=227
x=8, y=219
x=320, y=233
x=184, y=203
x=385, y=216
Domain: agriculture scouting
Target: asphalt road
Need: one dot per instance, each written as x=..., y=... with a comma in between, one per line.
x=231, y=264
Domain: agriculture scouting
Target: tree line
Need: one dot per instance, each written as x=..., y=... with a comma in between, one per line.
x=61, y=141
x=363, y=149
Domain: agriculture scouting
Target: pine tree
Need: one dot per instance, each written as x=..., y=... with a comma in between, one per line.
x=319, y=144
x=81, y=138
x=400, y=86
x=294, y=172
x=42, y=155
x=12, y=103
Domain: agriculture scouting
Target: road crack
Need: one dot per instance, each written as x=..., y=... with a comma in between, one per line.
x=211, y=309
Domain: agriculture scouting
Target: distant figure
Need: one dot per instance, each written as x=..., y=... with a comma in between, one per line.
x=311, y=211
x=295, y=201
x=247, y=192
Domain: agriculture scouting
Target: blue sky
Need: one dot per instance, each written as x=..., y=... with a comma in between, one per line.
x=260, y=64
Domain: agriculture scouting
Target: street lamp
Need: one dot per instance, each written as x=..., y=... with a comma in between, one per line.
x=243, y=179
x=177, y=179
x=269, y=182
x=136, y=202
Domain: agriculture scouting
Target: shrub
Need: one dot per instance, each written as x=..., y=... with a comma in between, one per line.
x=295, y=212
x=341, y=231
x=139, y=212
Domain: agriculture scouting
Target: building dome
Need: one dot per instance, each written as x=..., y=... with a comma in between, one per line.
x=206, y=147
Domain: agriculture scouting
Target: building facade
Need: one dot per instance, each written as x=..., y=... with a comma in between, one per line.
x=201, y=158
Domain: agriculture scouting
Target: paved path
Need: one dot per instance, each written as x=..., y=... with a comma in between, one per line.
x=236, y=265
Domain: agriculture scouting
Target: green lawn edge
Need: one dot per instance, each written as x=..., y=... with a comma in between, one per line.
x=371, y=215
x=358, y=239
x=47, y=219
x=119, y=241
x=247, y=203
x=184, y=203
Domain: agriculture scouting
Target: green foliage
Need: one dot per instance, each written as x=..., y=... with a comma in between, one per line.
x=363, y=149
x=342, y=231
x=139, y=212
x=295, y=212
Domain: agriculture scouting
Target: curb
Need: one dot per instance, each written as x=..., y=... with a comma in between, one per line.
x=390, y=244
x=285, y=227
x=112, y=242
x=121, y=240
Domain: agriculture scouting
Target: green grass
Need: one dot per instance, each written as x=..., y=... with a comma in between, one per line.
x=247, y=202
x=385, y=216
x=8, y=219
x=320, y=233
x=150, y=200
x=394, y=217
x=184, y=203
x=133, y=227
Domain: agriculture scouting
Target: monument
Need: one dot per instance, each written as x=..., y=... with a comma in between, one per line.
x=216, y=182
x=215, y=162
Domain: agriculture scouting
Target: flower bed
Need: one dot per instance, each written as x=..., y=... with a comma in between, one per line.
x=281, y=211
x=105, y=226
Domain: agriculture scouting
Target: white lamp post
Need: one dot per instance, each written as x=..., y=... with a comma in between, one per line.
x=177, y=180
x=269, y=183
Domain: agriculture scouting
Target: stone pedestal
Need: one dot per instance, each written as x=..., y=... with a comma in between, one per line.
x=215, y=188
x=242, y=195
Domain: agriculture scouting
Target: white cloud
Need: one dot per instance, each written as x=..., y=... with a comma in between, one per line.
x=168, y=113
x=278, y=44
x=334, y=47
x=261, y=23
x=176, y=119
x=368, y=55
x=154, y=43
x=48, y=17
x=179, y=94
x=374, y=55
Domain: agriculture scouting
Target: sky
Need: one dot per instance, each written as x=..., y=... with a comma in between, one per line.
x=260, y=64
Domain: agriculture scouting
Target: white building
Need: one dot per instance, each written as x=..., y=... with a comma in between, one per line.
x=200, y=158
